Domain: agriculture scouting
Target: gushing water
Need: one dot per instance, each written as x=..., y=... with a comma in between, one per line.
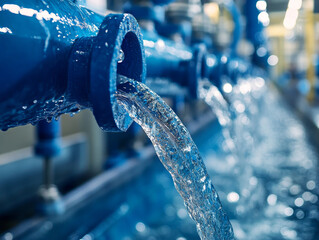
x=178, y=153
x=213, y=97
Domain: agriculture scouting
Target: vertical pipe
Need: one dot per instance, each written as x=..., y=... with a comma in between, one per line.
x=48, y=147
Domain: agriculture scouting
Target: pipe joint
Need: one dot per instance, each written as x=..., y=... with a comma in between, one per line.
x=95, y=62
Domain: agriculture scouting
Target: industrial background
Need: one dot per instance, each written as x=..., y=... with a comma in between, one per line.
x=242, y=75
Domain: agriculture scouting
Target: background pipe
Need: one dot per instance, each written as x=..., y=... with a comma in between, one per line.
x=231, y=6
x=64, y=58
x=255, y=33
x=167, y=58
x=48, y=146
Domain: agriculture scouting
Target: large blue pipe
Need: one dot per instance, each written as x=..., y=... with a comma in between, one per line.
x=58, y=58
x=176, y=61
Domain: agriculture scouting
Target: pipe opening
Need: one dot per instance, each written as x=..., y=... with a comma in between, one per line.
x=130, y=62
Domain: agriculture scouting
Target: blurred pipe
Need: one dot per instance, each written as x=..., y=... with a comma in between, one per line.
x=310, y=50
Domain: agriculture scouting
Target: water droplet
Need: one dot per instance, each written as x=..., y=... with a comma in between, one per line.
x=140, y=227
x=121, y=56
x=233, y=197
x=24, y=107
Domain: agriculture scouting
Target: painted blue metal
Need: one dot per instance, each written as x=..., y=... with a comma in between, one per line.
x=155, y=14
x=48, y=139
x=166, y=58
x=170, y=29
x=57, y=57
x=255, y=33
x=176, y=61
x=231, y=6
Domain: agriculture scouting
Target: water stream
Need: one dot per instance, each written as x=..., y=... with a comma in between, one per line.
x=178, y=153
x=215, y=100
x=234, y=163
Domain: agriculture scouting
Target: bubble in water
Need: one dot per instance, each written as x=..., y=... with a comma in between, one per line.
x=8, y=236
x=300, y=214
x=233, y=197
x=140, y=227
x=24, y=107
x=35, y=101
x=288, y=211
x=272, y=199
x=121, y=56
x=106, y=44
x=311, y=185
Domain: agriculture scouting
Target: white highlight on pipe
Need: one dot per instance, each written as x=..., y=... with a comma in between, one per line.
x=5, y=30
x=13, y=8
x=263, y=17
x=261, y=5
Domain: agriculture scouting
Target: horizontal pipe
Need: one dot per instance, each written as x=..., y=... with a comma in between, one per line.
x=60, y=58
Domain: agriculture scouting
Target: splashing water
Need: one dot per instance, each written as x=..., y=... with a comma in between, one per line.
x=213, y=97
x=178, y=153
x=234, y=146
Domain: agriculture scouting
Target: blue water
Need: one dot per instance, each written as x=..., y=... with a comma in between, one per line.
x=284, y=165
x=178, y=153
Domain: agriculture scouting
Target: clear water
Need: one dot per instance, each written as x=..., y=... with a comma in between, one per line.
x=180, y=156
x=284, y=162
x=234, y=146
x=285, y=165
x=225, y=116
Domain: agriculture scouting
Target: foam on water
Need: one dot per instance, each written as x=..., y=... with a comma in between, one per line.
x=178, y=153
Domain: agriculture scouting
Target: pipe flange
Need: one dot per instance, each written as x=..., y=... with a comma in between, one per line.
x=118, y=32
x=95, y=63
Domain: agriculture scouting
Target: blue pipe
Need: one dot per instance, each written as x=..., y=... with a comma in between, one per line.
x=57, y=57
x=255, y=33
x=231, y=6
x=178, y=62
x=47, y=147
x=48, y=139
x=166, y=58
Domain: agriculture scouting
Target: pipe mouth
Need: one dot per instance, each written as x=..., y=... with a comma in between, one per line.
x=117, y=50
